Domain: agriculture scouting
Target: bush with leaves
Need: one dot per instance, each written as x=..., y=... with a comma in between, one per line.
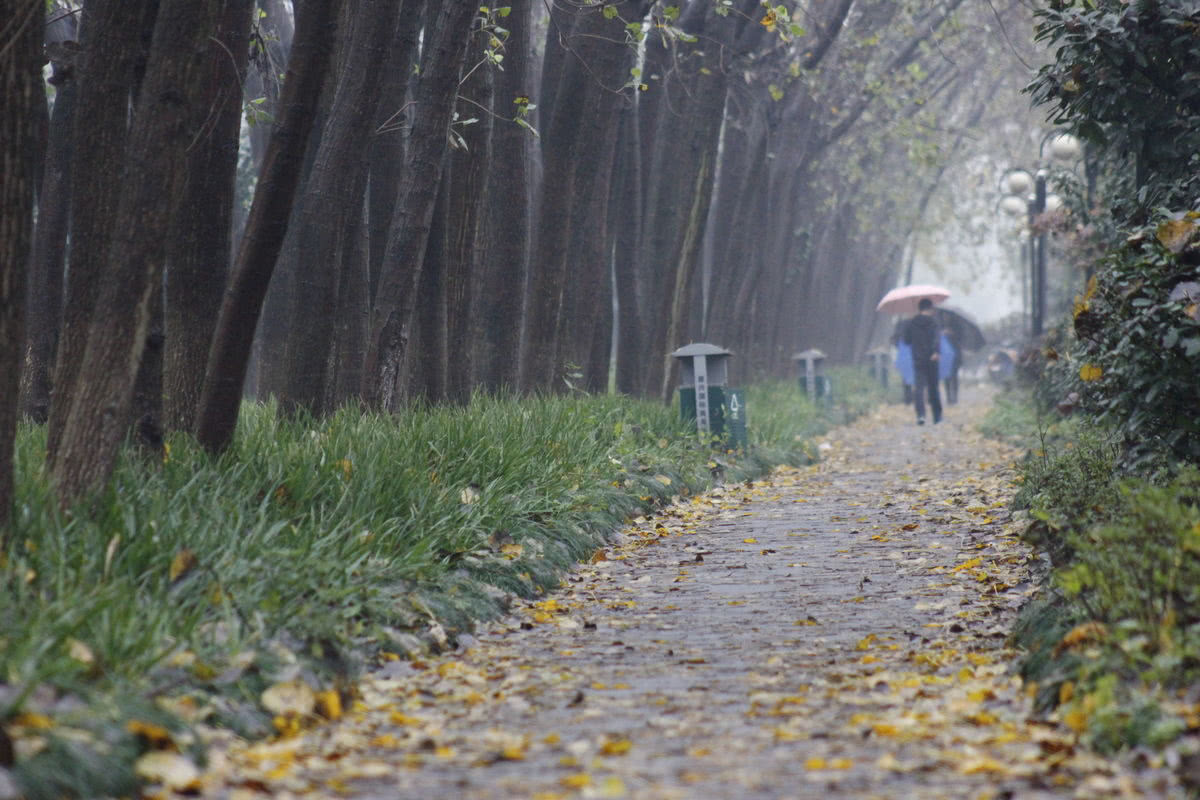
x=1119, y=80
x=1068, y=491
x=1136, y=361
x=1143, y=566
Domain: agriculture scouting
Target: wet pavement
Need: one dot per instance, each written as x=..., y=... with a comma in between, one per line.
x=831, y=631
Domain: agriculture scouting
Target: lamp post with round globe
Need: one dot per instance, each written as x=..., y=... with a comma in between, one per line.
x=1025, y=193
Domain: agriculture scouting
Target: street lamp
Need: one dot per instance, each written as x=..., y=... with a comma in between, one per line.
x=1027, y=194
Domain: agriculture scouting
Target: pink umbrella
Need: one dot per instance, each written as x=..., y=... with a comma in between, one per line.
x=904, y=299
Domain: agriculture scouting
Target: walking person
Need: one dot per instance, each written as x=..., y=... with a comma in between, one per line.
x=922, y=335
x=950, y=358
x=904, y=362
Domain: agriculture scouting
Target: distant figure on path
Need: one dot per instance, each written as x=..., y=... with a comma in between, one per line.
x=904, y=362
x=922, y=336
x=950, y=360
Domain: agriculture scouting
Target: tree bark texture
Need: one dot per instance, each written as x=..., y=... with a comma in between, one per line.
x=499, y=300
x=199, y=250
x=45, y=295
x=266, y=226
x=111, y=41
x=433, y=100
x=684, y=157
x=424, y=373
x=20, y=92
x=465, y=242
x=626, y=203
x=331, y=206
x=579, y=142
x=393, y=120
x=152, y=181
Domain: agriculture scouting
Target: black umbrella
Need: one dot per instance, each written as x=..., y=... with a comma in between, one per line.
x=962, y=327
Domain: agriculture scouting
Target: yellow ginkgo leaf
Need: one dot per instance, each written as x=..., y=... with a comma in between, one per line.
x=1090, y=372
x=616, y=747
x=329, y=704
x=156, y=736
x=750, y=540
x=183, y=563
x=33, y=720
x=578, y=780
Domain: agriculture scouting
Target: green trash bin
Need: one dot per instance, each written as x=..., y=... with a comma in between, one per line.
x=734, y=417
x=703, y=372
x=716, y=407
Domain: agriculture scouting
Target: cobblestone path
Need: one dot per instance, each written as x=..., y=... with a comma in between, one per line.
x=835, y=631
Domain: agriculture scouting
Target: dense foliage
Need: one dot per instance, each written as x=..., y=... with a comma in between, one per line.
x=1136, y=357
x=1123, y=78
x=1115, y=633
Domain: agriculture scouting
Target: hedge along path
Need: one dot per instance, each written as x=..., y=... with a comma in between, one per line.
x=836, y=630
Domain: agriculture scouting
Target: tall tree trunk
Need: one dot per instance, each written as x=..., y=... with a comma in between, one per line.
x=626, y=203
x=153, y=176
x=198, y=251
x=147, y=410
x=266, y=226
x=433, y=98
x=271, y=47
x=467, y=176
x=579, y=141
x=685, y=152
x=331, y=205
x=353, y=314
x=20, y=92
x=45, y=295
x=500, y=297
x=425, y=359
x=111, y=42
x=392, y=121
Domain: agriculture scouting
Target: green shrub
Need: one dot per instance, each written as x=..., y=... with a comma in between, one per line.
x=1142, y=568
x=1068, y=487
x=1136, y=360
x=1120, y=622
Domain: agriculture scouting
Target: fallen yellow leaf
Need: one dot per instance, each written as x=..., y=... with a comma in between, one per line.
x=616, y=747
x=329, y=704
x=291, y=697
x=156, y=736
x=169, y=769
x=181, y=564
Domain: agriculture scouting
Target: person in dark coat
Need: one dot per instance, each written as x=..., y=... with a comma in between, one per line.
x=922, y=335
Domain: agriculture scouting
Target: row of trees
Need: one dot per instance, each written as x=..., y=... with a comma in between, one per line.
x=373, y=201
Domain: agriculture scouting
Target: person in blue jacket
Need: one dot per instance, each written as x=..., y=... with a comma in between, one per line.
x=949, y=360
x=923, y=334
x=904, y=362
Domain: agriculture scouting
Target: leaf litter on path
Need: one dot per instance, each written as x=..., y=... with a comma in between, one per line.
x=837, y=630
